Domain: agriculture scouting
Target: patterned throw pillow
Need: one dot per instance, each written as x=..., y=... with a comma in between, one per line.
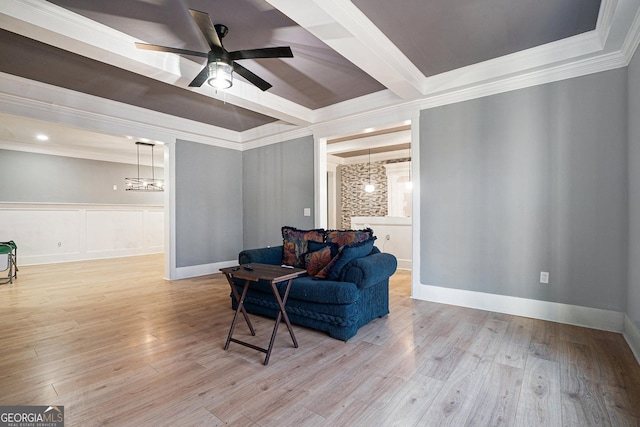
x=295, y=244
x=348, y=237
x=346, y=254
x=317, y=260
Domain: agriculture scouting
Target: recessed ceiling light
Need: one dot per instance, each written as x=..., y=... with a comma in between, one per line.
x=41, y=137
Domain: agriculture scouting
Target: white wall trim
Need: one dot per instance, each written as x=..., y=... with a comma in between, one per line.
x=632, y=336
x=63, y=232
x=632, y=40
x=73, y=257
x=404, y=264
x=320, y=213
x=415, y=214
x=395, y=138
x=41, y=101
x=286, y=135
x=202, y=269
x=169, y=211
x=595, y=318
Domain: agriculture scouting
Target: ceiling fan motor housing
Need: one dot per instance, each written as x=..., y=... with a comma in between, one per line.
x=222, y=30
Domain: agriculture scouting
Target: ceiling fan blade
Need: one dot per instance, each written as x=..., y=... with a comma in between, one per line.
x=252, y=78
x=206, y=27
x=170, y=49
x=267, y=52
x=200, y=78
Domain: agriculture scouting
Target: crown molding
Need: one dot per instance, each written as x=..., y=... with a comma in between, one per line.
x=42, y=101
x=102, y=156
x=521, y=81
x=375, y=141
x=605, y=19
x=631, y=42
x=519, y=62
x=276, y=138
x=387, y=116
x=378, y=157
x=374, y=101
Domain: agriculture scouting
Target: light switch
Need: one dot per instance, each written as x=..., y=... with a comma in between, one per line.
x=115, y=187
x=307, y=211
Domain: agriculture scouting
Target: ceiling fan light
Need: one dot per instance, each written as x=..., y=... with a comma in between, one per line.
x=220, y=75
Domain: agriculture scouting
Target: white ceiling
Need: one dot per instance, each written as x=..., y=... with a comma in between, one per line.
x=20, y=133
x=350, y=57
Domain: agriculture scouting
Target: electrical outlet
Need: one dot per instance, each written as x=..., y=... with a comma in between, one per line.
x=544, y=277
x=387, y=237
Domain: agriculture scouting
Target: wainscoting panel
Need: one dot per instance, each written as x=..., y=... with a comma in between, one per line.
x=393, y=236
x=48, y=233
x=109, y=230
x=42, y=232
x=154, y=230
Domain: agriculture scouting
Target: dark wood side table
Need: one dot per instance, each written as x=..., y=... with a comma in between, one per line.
x=273, y=274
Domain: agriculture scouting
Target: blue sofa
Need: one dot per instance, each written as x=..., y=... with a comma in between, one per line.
x=338, y=307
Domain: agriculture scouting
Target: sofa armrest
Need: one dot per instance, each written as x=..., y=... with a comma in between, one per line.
x=369, y=270
x=271, y=255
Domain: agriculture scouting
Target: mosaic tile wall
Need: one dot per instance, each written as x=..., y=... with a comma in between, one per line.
x=354, y=200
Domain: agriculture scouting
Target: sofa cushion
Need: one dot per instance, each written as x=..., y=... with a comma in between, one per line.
x=323, y=291
x=314, y=261
x=307, y=288
x=269, y=255
x=347, y=237
x=346, y=254
x=295, y=244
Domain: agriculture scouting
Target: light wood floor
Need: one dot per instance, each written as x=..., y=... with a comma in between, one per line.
x=117, y=345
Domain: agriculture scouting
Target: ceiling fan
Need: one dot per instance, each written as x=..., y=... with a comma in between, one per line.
x=220, y=63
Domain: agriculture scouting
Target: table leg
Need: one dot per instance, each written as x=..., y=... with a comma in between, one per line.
x=281, y=314
x=239, y=309
x=237, y=297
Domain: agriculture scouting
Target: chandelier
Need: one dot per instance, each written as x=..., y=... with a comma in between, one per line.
x=144, y=184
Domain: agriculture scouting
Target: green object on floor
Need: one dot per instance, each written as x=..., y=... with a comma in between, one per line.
x=9, y=249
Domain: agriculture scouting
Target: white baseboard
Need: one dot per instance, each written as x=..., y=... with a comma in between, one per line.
x=404, y=264
x=632, y=336
x=83, y=256
x=202, y=269
x=595, y=318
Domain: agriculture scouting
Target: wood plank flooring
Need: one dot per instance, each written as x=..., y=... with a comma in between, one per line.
x=117, y=345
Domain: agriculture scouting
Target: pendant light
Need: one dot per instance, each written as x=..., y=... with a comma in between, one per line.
x=144, y=184
x=369, y=188
x=409, y=184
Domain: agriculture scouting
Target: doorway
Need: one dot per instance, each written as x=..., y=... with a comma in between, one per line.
x=369, y=184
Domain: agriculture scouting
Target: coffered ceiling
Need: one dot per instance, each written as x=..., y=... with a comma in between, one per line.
x=350, y=57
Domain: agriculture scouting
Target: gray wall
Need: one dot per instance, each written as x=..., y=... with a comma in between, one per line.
x=633, y=296
x=42, y=178
x=528, y=181
x=277, y=186
x=208, y=191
